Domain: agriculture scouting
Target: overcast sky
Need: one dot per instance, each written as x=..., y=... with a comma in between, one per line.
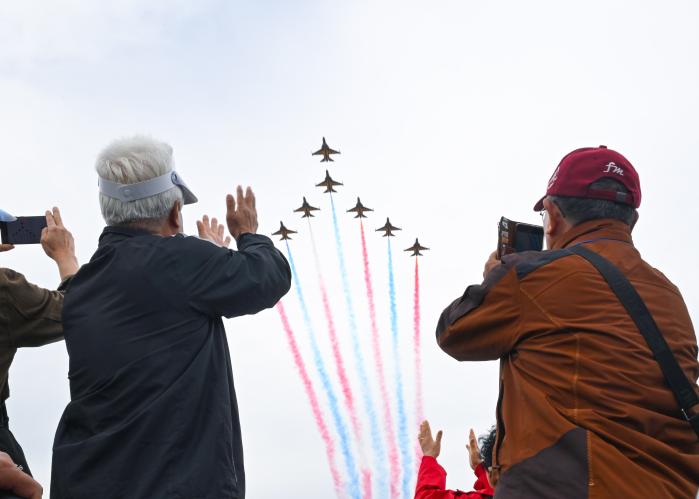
x=449, y=114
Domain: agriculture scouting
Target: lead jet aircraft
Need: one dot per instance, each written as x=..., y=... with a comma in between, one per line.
x=328, y=183
x=416, y=248
x=306, y=209
x=325, y=151
x=284, y=232
x=359, y=209
x=388, y=229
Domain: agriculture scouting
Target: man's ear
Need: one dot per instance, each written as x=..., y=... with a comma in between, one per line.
x=555, y=218
x=174, y=218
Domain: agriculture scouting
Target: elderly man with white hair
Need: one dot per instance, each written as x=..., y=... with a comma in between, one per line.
x=153, y=411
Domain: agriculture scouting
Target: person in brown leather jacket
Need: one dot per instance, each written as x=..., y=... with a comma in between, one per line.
x=30, y=316
x=584, y=410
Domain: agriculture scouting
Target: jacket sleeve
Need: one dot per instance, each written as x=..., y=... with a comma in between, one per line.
x=30, y=315
x=483, y=324
x=432, y=481
x=222, y=282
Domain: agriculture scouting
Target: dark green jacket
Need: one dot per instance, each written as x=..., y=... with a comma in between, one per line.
x=30, y=316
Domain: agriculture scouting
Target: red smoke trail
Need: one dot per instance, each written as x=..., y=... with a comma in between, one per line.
x=313, y=399
x=419, y=408
x=341, y=371
x=418, y=360
x=378, y=364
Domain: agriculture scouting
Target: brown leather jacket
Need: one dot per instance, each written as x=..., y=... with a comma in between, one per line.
x=30, y=316
x=584, y=410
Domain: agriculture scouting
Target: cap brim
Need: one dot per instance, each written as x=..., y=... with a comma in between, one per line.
x=189, y=197
x=6, y=217
x=539, y=204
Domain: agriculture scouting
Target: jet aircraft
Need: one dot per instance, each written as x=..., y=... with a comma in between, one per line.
x=359, y=209
x=328, y=183
x=325, y=151
x=416, y=248
x=284, y=232
x=388, y=229
x=306, y=209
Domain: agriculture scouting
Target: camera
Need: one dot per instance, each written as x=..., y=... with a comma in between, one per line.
x=514, y=237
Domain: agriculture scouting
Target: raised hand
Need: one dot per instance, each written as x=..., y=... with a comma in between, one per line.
x=58, y=244
x=6, y=247
x=474, y=453
x=213, y=231
x=430, y=446
x=241, y=213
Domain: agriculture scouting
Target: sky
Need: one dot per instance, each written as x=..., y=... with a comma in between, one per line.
x=448, y=114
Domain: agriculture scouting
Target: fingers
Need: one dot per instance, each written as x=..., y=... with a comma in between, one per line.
x=50, y=220
x=438, y=440
x=230, y=204
x=428, y=430
x=250, y=198
x=240, y=198
x=57, y=216
x=472, y=438
x=218, y=228
x=6, y=247
x=227, y=241
x=201, y=229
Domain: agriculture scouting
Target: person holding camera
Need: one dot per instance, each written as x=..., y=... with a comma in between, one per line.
x=153, y=411
x=30, y=316
x=598, y=355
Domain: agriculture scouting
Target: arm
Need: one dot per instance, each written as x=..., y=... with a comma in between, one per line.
x=432, y=480
x=484, y=323
x=222, y=282
x=32, y=316
x=57, y=242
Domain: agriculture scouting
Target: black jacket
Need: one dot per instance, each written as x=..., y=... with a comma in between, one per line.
x=153, y=411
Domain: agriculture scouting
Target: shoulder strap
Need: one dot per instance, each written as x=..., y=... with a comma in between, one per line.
x=633, y=303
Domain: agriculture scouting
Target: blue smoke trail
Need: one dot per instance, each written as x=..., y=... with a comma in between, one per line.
x=325, y=381
x=377, y=442
x=403, y=438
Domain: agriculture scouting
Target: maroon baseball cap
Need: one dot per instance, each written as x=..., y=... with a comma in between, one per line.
x=582, y=167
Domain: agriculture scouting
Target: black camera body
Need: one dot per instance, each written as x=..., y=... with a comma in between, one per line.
x=514, y=237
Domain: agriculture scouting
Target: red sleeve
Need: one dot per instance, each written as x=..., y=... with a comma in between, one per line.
x=482, y=485
x=432, y=481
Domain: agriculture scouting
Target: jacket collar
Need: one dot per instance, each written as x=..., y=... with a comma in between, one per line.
x=594, y=229
x=113, y=233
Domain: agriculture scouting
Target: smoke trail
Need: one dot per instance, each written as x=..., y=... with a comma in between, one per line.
x=368, y=398
x=327, y=386
x=419, y=407
x=379, y=367
x=403, y=438
x=341, y=372
x=313, y=400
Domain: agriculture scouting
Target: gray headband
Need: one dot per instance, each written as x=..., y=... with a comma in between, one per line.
x=146, y=189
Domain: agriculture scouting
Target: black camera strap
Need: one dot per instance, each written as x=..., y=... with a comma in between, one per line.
x=684, y=391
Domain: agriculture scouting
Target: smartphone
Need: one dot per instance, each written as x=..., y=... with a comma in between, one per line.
x=514, y=237
x=24, y=230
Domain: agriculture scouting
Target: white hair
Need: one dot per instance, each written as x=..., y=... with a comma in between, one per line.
x=131, y=160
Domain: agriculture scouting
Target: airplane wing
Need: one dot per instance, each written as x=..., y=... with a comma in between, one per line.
x=332, y=151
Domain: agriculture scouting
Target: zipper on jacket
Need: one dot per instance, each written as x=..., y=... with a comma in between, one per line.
x=500, y=434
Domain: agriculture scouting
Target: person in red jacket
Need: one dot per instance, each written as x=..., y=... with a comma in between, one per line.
x=432, y=479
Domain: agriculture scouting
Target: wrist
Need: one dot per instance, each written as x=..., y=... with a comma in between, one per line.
x=67, y=265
